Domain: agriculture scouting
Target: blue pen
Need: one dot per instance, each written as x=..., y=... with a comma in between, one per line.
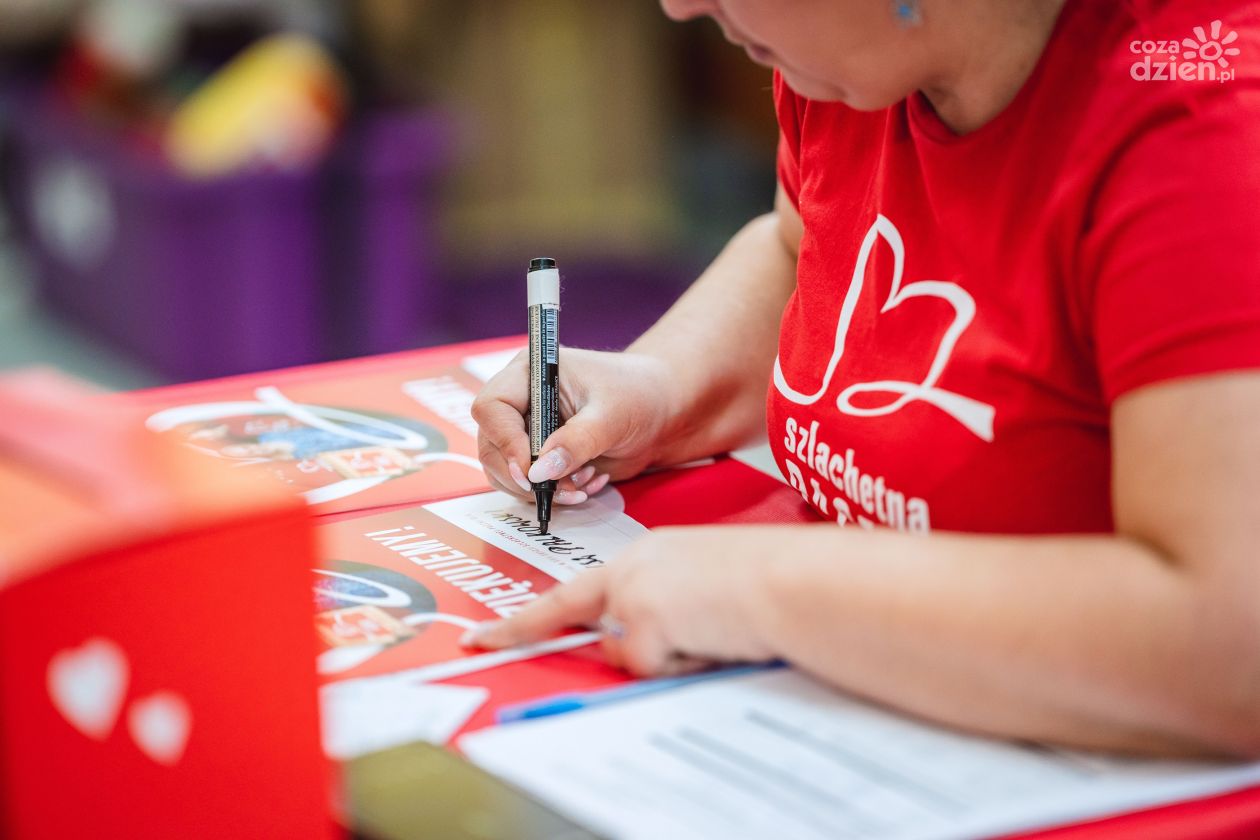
x=573, y=701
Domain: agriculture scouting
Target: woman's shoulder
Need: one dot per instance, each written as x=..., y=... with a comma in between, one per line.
x=1159, y=64
x=1146, y=100
x=1163, y=153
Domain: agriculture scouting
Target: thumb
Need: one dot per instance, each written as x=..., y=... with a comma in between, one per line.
x=584, y=437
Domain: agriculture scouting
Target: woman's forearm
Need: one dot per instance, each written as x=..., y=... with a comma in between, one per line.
x=720, y=340
x=1090, y=641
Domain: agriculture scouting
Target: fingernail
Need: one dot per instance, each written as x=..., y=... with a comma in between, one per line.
x=583, y=475
x=519, y=477
x=550, y=466
x=597, y=485
x=570, y=497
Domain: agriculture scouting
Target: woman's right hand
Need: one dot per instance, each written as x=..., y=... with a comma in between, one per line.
x=616, y=409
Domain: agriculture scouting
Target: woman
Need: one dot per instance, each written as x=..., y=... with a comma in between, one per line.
x=1019, y=278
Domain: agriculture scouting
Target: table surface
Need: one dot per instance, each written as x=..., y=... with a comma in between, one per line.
x=726, y=491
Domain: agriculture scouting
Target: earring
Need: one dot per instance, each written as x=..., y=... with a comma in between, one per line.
x=907, y=12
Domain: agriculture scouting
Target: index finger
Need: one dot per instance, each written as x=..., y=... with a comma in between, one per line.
x=499, y=411
x=579, y=602
x=510, y=385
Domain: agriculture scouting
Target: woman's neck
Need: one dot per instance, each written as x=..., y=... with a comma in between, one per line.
x=990, y=48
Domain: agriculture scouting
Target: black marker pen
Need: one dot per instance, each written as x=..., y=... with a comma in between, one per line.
x=543, y=280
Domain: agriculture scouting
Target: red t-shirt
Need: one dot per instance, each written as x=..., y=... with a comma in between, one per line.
x=968, y=308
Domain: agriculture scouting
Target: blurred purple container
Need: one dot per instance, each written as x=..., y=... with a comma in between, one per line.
x=208, y=278
x=386, y=287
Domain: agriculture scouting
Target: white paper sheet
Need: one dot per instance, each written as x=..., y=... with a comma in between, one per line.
x=779, y=755
x=581, y=537
x=485, y=365
x=493, y=659
x=376, y=713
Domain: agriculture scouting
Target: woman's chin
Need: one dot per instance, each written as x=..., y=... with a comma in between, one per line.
x=814, y=89
x=856, y=98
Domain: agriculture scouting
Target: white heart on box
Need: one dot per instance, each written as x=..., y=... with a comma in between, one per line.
x=160, y=725
x=87, y=685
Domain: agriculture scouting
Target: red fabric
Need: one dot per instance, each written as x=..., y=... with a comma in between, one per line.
x=726, y=492
x=1097, y=236
x=1233, y=816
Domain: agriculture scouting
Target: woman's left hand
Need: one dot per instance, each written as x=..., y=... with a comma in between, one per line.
x=673, y=601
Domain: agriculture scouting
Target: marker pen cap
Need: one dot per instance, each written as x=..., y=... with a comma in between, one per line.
x=544, y=282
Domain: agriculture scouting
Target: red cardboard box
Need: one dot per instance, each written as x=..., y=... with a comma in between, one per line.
x=156, y=648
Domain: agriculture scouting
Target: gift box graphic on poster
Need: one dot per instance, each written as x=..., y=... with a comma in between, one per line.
x=354, y=437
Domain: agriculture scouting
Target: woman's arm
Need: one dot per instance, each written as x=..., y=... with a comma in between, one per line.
x=693, y=385
x=721, y=337
x=1147, y=641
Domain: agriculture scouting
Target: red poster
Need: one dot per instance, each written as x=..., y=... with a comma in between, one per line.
x=348, y=436
x=395, y=591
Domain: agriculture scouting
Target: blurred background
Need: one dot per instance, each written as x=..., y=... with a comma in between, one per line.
x=194, y=188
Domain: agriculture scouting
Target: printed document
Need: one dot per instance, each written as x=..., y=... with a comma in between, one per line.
x=777, y=754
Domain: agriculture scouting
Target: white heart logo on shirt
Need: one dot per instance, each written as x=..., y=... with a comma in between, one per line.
x=160, y=725
x=87, y=685
x=976, y=416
